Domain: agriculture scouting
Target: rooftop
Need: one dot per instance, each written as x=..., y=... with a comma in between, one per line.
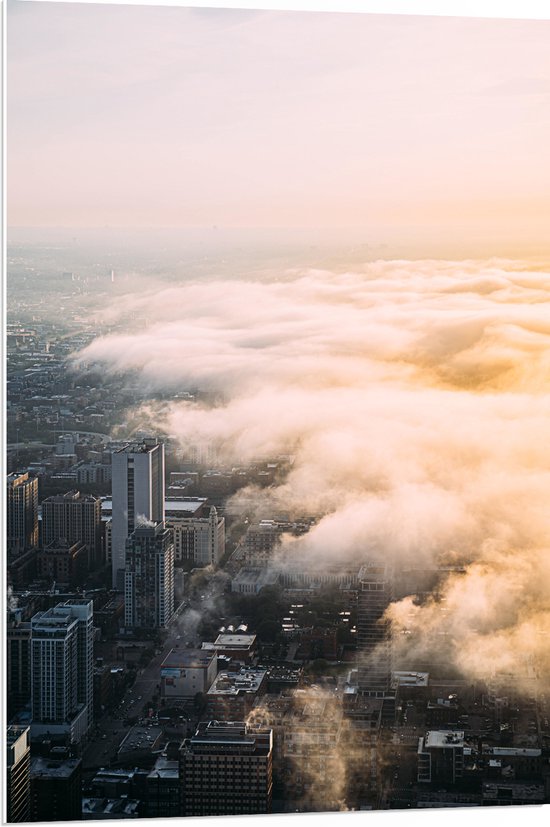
x=48, y=768
x=234, y=683
x=440, y=738
x=187, y=659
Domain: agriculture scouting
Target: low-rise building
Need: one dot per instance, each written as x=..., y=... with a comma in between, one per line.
x=441, y=757
x=240, y=648
x=56, y=789
x=101, y=809
x=232, y=695
x=186, y=672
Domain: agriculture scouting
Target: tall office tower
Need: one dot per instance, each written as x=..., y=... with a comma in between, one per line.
x=200, y=540
x=18, y=662
x=18, y=774
x=74, y=518
x=62, y=669
x=226, y=769
x=374, y=639
x=149, y=577
x=138, y=492
x=22, y=512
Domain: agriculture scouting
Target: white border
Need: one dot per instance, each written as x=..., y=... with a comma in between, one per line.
x=511, y=9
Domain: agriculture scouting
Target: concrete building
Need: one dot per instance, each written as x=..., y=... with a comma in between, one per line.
x=239, y=648
x=18, y=774
x=149, y=578
x=233, y=694
x=251, y=580
x=198, y=540
x=138, y=494
x=56, y=789
x=441, y=757
x=260, y=540
x=374, y=640
x=186, y=672
x=22, y=512
x=226, y=769
x=62, y=669
x=63, y=562
x=73, y=518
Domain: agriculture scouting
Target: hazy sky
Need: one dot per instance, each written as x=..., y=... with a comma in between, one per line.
x=147, y=116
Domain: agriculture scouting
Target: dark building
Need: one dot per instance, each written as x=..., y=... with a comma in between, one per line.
x=56, y=789
x=163, y=786
x=73, y=518
x=63, y=563
x=18, y=774
x=22, y=567
x=18, y=662
x=226, y=769
x=374, y=641
x=22, y=512
x=149, y=577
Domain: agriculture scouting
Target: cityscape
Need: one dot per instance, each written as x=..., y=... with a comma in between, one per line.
x=277, y=535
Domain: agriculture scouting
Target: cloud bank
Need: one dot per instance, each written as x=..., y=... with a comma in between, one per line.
x=414, y=399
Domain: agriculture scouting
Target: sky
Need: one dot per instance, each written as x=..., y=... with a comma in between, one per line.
x=172, y=117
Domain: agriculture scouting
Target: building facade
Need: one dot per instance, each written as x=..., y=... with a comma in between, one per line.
x=18, y=662
x=199, y=540
x=18, y=774
x=226, y=769
x=73, y=518
x=22, y=512
x=374, y=636
x=149, y=578
x=62, y=669
x=56, y=789
x=138, y=494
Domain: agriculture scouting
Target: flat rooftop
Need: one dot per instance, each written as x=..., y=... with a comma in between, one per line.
x=50, y=768
x=187, y=659
x=174, y=506
x=231, y=684
x=225, y=641
x=441, y=738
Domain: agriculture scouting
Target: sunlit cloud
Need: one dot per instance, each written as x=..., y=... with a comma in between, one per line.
x=414, y=399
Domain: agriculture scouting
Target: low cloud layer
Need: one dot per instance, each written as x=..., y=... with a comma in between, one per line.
x=414, y=399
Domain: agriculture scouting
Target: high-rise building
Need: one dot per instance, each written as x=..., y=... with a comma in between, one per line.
x=200, y=540
x=18, y=662
x=226, y=769
x=138, y=494
x=374, y=638
x=73, y=518
x=62, y=669
x=22, y=512
x=149, y=577
x=18, y=774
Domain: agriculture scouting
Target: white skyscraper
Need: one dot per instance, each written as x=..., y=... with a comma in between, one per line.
x=138, y=495
x=62, y=669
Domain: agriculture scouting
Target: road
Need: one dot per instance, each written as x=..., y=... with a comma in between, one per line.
x=110, y=729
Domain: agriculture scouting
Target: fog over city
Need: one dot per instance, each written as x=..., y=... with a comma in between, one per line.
x=411, y=395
